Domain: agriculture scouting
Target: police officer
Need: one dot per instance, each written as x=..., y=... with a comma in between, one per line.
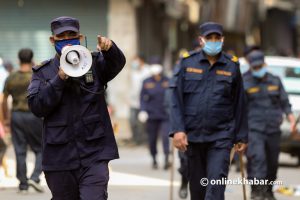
x=78, y=139
x=153, y=111
x=208, y=114
x=267, y=101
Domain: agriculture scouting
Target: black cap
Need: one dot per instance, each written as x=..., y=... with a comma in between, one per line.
x=256, y=58
x=210, y=27
x=64, y=23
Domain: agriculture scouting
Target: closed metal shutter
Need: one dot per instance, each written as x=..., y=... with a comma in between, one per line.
x=26, y=23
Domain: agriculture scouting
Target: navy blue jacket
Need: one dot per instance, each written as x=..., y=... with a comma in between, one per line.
x=208, y=102
x=76, y=126
x=153, y=97
x=267, y=101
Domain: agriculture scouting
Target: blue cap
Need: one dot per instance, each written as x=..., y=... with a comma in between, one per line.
x=256, y=58
x=210, y=27
x=64, y=23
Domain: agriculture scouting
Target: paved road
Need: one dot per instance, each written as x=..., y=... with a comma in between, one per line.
x=133, y=179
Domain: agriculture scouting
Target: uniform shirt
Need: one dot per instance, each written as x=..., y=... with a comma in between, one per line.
x=267, y=101
x=16, y=85
x=208, y=102
x=77, y=129
x=153, y=97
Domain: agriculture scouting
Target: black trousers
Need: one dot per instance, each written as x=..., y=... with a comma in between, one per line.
x=27, y=131
x=262, y=155
x=154, y=129
x=86, y=183
x=209, y=161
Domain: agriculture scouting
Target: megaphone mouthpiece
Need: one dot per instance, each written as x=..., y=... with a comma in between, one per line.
x=76, y=60
x=73, y=57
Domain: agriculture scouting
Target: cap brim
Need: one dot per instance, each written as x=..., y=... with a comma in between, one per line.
x=206, y=33
x=65, y=28
x=256, y=63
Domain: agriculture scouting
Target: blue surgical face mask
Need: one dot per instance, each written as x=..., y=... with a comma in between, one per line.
x=212, y=48
x=259, y=73
x=60, y=44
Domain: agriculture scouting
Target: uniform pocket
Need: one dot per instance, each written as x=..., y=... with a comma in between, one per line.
x=190, y=113
x=192, y=82
x=223, y=85
x=93, y=127
x=57, y=133
x=220, y=118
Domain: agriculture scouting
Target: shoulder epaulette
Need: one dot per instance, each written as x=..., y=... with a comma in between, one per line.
x=232, y=58
x=189, y=54
x=185, y=54
x=42, y=64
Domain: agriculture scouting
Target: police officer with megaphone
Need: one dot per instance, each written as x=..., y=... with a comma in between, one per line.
x=78, y=139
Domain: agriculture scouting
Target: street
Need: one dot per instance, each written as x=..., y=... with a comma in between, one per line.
x=132, y=178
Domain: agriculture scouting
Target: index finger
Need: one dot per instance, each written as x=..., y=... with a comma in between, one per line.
x=99, y=38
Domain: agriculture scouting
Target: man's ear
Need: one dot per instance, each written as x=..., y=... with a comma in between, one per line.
x=81, y=37
x=223, y=38
x=200, y=40
x=51, y=38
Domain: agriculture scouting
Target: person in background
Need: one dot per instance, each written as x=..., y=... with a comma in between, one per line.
x=267, y=102
x=8, y=66
x=139, y=72
x=26, y=129
x=154, y=112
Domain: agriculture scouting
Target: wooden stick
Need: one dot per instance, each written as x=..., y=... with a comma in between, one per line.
x=242, y=166
x=172, y=172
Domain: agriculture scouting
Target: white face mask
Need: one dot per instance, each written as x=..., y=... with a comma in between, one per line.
x=135, y=64
x=156, y=69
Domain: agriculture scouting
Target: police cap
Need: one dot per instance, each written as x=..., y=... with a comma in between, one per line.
x=210, y=27
x=256, y=58
x=64, y=23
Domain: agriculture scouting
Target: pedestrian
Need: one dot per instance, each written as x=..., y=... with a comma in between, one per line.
x=26, y=129
x=139, y=72
x=154, y=112
x=208, y=114
x=267, y=102
x=78, y=139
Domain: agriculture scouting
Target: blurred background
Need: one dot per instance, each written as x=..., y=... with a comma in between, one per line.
x=152, y=28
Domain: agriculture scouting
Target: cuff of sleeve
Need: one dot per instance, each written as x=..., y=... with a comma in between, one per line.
x=111, y=51
x=288, y=111
x=171, y=134
x=57, y=82
x=245, y=141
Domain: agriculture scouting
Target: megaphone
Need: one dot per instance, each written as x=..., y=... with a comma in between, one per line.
x=75, y=60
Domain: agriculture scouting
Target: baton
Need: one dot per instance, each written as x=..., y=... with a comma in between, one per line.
x=242, y=166
x=172, y=172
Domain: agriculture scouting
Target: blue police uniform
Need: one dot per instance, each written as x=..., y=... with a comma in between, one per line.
x=152, y=101
x=267, y=101
x=208, y=103
x=78, y=139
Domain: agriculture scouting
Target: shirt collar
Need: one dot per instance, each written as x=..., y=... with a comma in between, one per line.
x=221, y=59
